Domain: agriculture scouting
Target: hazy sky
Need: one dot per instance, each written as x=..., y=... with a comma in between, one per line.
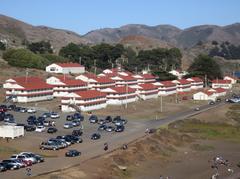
x=84, y=15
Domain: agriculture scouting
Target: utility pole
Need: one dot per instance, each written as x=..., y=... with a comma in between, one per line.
x=161, y=104
x=26, y=75
x=205, y=81
x=126, y=96
x=95, y=68
x=80, y=60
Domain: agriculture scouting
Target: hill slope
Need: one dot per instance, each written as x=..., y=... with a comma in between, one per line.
x=16, y=32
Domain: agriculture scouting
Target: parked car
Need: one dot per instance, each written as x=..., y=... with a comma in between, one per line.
x=68, y=125
x=40, y=128
x=30, y=156
x=23, y=110
x=69, y=118
x=49, y=123
x=8, y=117
x=55, y=115
x=108, y=119
x=52, y=130
x=46, y=115
x=62, y=143
x=119, y=129
x=93, y=119
x=14, y=162
x=75, y=123
x=10, y=166
x=29, y=128
x=72, y=153
x=77, y=132
x=197, y=109
x=211, y=103
x=25, y=160
x=11, y=107
x=102, y=127
x=101, y=121
x=3, y=167
x=49, y=146
x=110, y=129
x=78, y=116
x=31, y=110
x=95, y=136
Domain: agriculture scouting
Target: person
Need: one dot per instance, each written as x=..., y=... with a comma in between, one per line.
x=124, y=147
x=105, y=146
x=28, y=169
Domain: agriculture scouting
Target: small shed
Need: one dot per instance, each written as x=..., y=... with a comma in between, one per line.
x=7, y=131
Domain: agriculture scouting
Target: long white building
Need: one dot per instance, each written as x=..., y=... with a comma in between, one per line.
x=89, y=100
x=27, y=89
x=183, y=85
x=144, y=78
x=147, y=91
x=166, y=88
x=120, y=95
x=63, y=85
x=225, y=84
x=196, y=83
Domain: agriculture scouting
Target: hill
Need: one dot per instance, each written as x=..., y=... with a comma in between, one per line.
x=16, y=33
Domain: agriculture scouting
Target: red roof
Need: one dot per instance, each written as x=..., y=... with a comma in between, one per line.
x=123, y=89
x=127, y=78
x=32, y=83
x=69, y=65
x=90, y=94
x=220, y=90
x=148, y=76
x=221, y=81
x=184, y=81
x=103, y=80
x=148, y=86
x=167, y=83
x=90, y=75
x=196, y=79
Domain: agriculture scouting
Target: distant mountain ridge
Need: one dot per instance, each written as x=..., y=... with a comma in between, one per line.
x=16, y=32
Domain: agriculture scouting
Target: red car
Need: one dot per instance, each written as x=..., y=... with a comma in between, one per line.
x=3, y=110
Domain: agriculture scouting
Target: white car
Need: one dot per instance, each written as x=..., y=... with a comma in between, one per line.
x=55, y=115
x=40, y=128
x=31, y=110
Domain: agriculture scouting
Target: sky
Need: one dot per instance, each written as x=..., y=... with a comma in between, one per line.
x=82, y=16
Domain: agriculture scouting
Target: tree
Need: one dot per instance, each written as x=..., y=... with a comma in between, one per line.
x=71, y=51
x=205, y=65
x=41, y=47
x=25, y=58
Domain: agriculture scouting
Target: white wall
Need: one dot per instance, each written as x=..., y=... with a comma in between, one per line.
x=122, y=101
x=66, y=108
x=11, y=131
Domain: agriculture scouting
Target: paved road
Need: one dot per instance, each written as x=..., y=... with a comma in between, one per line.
x=91, y=149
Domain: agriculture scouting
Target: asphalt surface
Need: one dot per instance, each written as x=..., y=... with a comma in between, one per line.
x=91, y=149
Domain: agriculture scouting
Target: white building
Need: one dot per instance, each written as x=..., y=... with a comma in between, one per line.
x=121, y=80
x=144, y=78
x=196, y=83
x=89, y=100
x=28, y=89
x=7, y=131
x=63, y=85
x=178, y=73
x=231, y=78
x=120, y=95
x=225, y=84
x=65, y=68
x=183, y=85
x=147, y=91
x=204, y=95
x=166, y=88
x=95, y=82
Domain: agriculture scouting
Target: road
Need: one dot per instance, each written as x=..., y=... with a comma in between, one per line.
x=91, y=149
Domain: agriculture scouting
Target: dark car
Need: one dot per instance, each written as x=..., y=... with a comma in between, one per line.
x=95, y=136
x=74, y=139
x=108, y=119
x=8, y=117
x=39, y=158
x=23, y=110
x=77, y=132
x=29, y=128
x=119, y=129
x=46, y=115
x=101, y=121
x=93, y=119
x=78, y=116
x=75, y=123
x=10, y=166
x=52, y=130
x=72, y=153
x=102, y=127
x=69, y=118
x=2, y=115
x=3, y=167
x=110, y=129
x=211, y=103
x=11, y=107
